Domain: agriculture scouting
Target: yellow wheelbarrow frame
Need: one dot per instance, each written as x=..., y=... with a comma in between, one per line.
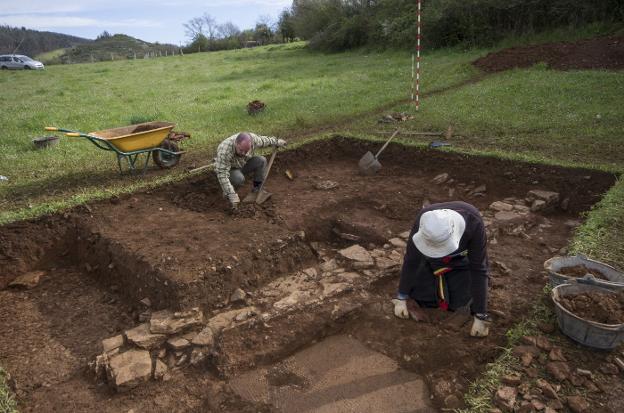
x=128, y=142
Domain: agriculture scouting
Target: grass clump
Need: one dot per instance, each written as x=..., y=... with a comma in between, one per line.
x=7, y=402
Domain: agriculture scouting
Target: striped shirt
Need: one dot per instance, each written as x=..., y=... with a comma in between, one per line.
x=228, y=159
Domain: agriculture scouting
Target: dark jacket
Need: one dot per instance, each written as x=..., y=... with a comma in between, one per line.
x=469, y=279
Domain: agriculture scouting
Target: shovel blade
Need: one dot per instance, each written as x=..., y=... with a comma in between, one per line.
x=250, y=198
x=368, y=164
x=263, y=196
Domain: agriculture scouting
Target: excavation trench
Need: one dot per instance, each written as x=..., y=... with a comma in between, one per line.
x=178, y=247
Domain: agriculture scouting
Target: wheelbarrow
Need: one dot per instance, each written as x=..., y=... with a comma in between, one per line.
x=129, y=142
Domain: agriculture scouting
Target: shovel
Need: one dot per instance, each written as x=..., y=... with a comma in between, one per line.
x=369, y=163
x=260, y=196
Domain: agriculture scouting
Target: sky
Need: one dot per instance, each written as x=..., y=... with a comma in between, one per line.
x=150, y=20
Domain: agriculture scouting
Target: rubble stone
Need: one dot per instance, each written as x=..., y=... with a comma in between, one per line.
x=398, y=242
x=222, y=320
x=512, y=379
x=160, y=369
x=178, y=343
x=548, y=197
x=501, y=206
x=166, y=322
x=556, y=354
x=329, y=266
x=142, y=337
x=578, y=404
x=558, y=369
x=356, y=253
x=129, y=369
x=198, y=355
x=27, y=281
x=538, y=205
x=547, y=389
x=404, y=235
x=506, y=216
x=111, y=343
x=440, y=179
x=505, y=398
x=204, y=338
x=238, y=296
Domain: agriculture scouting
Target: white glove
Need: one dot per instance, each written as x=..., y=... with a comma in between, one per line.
x=234, y=199
x=480, y=328
x=400, y=308
x=281, y=143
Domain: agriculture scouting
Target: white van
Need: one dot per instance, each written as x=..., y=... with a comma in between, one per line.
x=18, y=61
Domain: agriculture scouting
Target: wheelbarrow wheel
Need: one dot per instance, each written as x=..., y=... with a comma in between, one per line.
x=166, y=160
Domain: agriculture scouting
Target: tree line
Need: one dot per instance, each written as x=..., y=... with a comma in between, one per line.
x=335, y=25
x=20, y=40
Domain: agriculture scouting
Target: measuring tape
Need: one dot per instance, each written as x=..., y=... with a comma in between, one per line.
x=416, y=82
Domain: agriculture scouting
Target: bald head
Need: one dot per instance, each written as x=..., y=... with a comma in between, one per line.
x=243, y=143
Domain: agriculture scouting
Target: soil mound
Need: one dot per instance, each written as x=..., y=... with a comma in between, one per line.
x=580, y=271
x=599, y=53
x=599, y=307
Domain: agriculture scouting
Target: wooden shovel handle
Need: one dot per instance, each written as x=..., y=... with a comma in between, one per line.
x=387, y=142
x=266, y=175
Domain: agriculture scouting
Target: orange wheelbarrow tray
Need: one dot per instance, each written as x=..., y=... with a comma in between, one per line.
x=129, y=142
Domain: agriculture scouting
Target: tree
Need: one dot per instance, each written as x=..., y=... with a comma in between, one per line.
x=194, y=27
x=227, y=30
x=285, y=26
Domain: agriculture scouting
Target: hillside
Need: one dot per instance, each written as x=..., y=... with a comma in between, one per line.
x=115, y=47
x=33, y=42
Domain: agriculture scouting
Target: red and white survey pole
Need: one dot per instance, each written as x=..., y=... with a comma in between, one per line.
x=416, y=80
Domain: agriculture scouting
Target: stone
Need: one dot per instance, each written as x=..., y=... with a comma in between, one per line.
x=512, y=379
x=545, y=327
x=585, y=373
x=160, y=369
x=331, y=289
x=549, y=197
x=198, y=355
x=329, y=266
x=538, y=205
x=397, y=242
x=537, y=404
x=244, y=316
x=225, y=319
x=547, y=389
x=356, y=253
x=558, y=369
x=501, y=206
x=404, y=235
x=166, y=322
x=556, y=354
x=27, y=281
x=178, y=343
x=129, y=369
x=506, y=216
x=522, y=209
x=440, y=179
x=555, y=404
x=112, y=343
x=310, y=272
x=505, y=398
x=238, y=296
x=360, y=265
x=578, y=404
x=478, y=190
x=525, y=407
x=142, y=337
x=146, y=302
x=543, y=343
x=385, y=263
x=609, y=368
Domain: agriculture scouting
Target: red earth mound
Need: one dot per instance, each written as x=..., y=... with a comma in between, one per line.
x=599, y=53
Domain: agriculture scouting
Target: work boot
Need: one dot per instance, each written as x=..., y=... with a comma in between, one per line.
x=251, y=197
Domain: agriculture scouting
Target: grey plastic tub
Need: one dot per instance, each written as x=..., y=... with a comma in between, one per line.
x=556, y=264
x=586, y=332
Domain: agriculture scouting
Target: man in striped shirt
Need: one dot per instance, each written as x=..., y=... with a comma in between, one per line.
x=236, y=158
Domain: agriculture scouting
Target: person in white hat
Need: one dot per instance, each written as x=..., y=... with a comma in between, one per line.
x=446, y=264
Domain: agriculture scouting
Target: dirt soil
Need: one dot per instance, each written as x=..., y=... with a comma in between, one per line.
x=179, y=247
x=599, y=307
x=581, y=271
x=600, y=53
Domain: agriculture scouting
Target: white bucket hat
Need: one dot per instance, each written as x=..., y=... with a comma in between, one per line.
x=439, y=232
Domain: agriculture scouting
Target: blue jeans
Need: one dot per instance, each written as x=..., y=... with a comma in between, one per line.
x=255, y=165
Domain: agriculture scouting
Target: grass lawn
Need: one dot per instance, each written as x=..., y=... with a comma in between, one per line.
x=204, y=94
